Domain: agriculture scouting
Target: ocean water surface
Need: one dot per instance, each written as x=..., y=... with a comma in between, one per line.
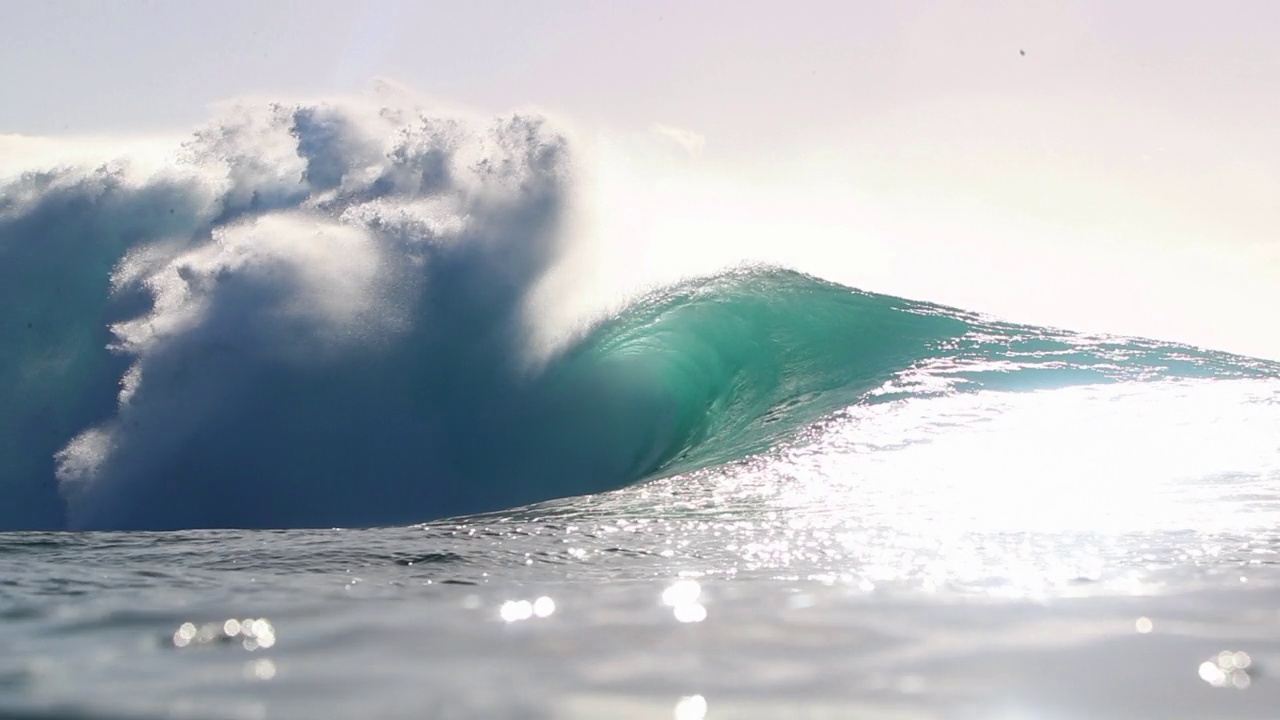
x=281, y=437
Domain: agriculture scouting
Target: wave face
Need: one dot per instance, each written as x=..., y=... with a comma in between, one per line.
x=720, y=368
x=317, y=316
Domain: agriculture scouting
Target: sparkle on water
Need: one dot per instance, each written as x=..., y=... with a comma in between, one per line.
x=904, y=559
x=251, y=633
x=1228, y=670
x=682, y=598
x=1012, y=494
x=516, y=610
x=691, y=707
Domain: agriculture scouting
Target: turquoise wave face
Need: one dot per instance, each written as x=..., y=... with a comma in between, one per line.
x=717, y=369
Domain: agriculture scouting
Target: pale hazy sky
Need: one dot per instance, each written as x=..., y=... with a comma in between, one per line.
x=1134, y=146
x=744, y=69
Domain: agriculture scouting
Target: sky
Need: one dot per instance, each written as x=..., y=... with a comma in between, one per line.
x=1108, y=166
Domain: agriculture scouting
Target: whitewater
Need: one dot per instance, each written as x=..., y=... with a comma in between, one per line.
x=321, y=412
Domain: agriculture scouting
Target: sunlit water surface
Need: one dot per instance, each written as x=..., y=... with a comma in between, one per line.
x=1096, y=551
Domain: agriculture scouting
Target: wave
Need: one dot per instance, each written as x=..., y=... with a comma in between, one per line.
x=318, y=315
x=717, y=369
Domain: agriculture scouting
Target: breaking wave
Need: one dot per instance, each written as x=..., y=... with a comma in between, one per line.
x=319, y=315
